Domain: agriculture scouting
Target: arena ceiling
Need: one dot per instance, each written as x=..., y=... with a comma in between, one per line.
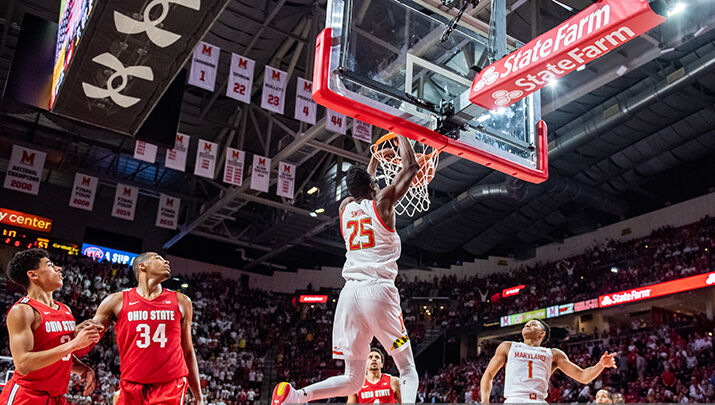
x=626, y=137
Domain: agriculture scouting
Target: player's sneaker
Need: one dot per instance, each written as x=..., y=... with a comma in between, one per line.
x=284, y=393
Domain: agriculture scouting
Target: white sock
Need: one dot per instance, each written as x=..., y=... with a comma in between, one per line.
x=409, y=379
x=338, y=386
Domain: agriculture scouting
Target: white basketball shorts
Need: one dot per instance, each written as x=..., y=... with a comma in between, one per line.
x=366, y=309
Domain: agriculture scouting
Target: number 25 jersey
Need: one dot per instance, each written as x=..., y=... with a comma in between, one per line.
x=372, y=247
x=149, y=338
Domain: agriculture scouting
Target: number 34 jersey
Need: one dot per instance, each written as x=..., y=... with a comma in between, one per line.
x=372, y=247
x=149, y=338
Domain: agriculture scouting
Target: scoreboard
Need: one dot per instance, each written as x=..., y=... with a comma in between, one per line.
x=27, y=240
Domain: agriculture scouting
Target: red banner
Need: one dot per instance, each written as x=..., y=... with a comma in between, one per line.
x=313, y=299
x=657, y=290
x=595, y=31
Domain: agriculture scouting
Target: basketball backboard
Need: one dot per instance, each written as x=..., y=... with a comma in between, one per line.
x=382, y=61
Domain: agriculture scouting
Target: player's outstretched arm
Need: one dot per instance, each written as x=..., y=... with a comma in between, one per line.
x=584, y=376
x=395, y=383
x=22, y=341
x=372, y=166
x=108, y=310
x=401, y=183
x=495, y=364
x=188, y=346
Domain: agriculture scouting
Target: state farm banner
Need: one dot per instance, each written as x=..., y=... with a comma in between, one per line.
x=125, y=202
x=362, y=131
x=167, y=215
x=261, y=173
x=233, y=168
x=286, y=180
x=206, y=159
x=176, y=158
x=24, y=171
x=204, y=65
x=657, y=290
x=336, y=122
x=306, y=109
x=240, y=79
x=598, y=29
x=274, y=90
x=83, y=191
x=145, y=151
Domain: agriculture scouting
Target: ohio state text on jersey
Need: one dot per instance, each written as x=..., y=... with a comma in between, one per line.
x=380, y=392
x=56, y=327
x=149, y=338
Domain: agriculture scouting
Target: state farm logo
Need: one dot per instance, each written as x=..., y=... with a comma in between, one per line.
x=619, y=298
x=93, y=252
x=488, y=78
x=503, y=97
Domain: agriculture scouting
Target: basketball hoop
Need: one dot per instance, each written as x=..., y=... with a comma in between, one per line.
x=417, y=197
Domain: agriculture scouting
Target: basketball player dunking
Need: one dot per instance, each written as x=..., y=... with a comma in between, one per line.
x=529, y=366
x=42, y=335
x=154, y=337
x=369, y=304
x=378, y=388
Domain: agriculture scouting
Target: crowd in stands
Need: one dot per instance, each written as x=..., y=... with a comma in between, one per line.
x=667, y=362
x=666, y=254
x=246, y=337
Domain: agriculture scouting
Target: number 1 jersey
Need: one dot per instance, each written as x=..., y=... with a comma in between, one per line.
x=372, y=247
x=149, y=338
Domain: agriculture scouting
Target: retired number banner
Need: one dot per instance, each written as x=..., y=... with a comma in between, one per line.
x=240, y=79
x=336, y=122
x=204, y=65
x=306, y=109
x=274, y=90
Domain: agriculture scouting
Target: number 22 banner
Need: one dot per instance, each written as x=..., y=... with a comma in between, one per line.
x=274, y=89
x=241, y=78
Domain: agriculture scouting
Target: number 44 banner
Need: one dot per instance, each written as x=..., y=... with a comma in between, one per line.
x=336, y=122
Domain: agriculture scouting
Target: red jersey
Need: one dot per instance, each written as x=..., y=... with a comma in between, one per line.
x=379, y=393
x=149, y=338
x=56, y=327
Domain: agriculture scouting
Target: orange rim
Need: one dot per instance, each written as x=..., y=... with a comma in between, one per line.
x=391, y=135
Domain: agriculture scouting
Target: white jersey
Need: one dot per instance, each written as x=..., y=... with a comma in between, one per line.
x=372, y=247
x=528, y=370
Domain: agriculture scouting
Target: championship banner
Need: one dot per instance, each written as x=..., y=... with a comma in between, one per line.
x=204, y=65
x=24, y=171
x=274, y=90
x=145, y=151
x=176, y=158
x=83, y=192
x=261, y=173
x=362, y=131
x=125, y=202
x=336, y=122
x=286, y=180
x=240, y=79
x=206, y=159
x=233, y=169
x=306, y=109
x=167, y=215
x=598, y=29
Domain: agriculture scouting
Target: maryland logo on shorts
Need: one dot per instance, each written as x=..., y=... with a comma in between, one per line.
x=399, y=342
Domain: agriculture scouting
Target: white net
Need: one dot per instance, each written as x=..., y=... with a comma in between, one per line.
x=417, y=197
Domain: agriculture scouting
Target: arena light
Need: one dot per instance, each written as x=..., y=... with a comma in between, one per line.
x=553, y=83
x=614, y=269
x=312, y=190
x=185, y=285
x=483, y=118
x=313, y=214
x=320, y=210
x=676, y=9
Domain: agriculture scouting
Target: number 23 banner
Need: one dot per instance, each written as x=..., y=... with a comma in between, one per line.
x=274, y=89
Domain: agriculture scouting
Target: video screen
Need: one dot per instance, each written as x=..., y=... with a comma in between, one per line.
x=74, y=15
